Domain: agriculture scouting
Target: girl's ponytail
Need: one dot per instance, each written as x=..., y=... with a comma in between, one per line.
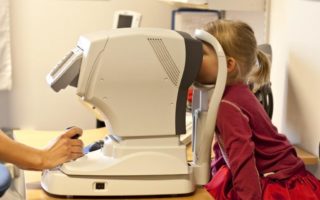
x=260, y=75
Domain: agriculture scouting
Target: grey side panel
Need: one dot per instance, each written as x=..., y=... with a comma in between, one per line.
x=192, y=67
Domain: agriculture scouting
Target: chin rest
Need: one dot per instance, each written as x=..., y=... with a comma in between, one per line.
x=5, y=179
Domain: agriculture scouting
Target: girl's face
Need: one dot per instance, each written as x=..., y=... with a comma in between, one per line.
x=209, y=67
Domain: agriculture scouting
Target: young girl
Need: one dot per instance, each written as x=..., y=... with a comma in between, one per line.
x=252, y=160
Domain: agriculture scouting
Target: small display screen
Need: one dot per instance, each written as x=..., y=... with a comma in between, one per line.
x=60, y=65
x=124, y=21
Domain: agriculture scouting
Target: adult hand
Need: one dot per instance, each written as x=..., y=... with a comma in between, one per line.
x=63, y=149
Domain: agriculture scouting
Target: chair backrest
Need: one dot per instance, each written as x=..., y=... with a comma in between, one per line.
x=5, y=179
x=264, y=93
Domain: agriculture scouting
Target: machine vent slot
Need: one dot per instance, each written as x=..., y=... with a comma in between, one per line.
x=165, y=59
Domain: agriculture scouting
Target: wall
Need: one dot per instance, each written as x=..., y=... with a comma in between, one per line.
x=42, y=32
x=4, y=110
x=294, y=35
x=278, y=26
x=256, y=19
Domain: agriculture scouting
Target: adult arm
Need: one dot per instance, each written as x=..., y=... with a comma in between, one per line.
x=60, y=150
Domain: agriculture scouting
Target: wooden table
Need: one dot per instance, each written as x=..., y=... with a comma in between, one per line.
x=307, y=157
x=39, y=139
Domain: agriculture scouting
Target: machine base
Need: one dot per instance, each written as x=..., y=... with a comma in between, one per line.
x=57, y=183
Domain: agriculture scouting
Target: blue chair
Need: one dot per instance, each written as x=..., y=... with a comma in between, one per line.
x=5, y=179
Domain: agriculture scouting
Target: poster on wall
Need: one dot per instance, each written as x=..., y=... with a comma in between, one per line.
x=188, y=20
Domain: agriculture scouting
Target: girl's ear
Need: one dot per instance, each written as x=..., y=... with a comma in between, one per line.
x=231, y=64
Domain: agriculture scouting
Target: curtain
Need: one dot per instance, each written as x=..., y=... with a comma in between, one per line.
x=5, y=57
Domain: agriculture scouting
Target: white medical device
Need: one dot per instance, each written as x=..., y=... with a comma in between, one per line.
x=137, y=80
x=126, y=18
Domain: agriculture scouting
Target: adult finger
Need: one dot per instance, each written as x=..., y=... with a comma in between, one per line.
x=76, y=149
x=74, y=156
x=72, y=132
x=76, y=142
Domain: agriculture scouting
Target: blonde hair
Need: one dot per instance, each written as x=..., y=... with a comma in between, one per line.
x=238, y=41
